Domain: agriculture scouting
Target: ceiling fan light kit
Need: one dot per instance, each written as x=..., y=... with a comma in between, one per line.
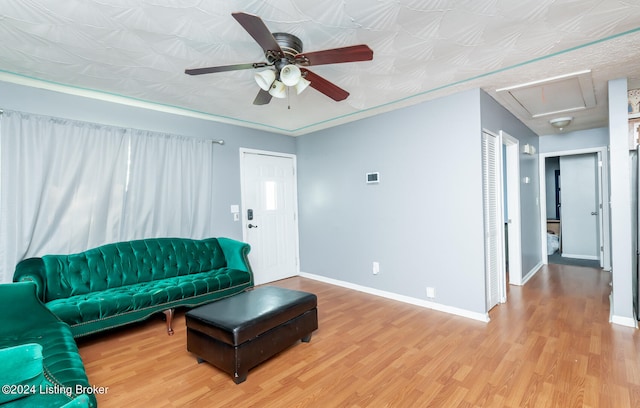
x=283, y=52
x=301, y=85
x=278, y=90
x=290, y=75
x=265, y=79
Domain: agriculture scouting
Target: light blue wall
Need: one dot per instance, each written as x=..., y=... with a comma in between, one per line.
x=494, y=119
x=622, y=251
x=226, y=157
x=422, y=222
x=581, y=139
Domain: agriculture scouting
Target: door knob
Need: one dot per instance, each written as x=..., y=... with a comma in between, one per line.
x=252, y=226
x=594, y=213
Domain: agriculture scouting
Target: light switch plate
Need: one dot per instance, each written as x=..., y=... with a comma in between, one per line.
x=376, y=268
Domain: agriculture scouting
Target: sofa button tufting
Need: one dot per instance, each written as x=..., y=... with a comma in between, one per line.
x=120, y=278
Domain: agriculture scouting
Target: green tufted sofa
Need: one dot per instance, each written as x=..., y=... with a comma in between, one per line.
x=40, y=362
x=116, y=284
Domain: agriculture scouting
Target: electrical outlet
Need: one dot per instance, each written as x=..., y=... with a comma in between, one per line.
x=431, y=292
x=236, y=216
x=376, y=268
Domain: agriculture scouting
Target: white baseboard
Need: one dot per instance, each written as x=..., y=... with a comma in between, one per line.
x=401, y=298
x=531, y=273
x=624, y=321
x=586, y=257
x=621, y=320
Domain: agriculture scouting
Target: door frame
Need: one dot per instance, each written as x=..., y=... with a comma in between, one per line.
x=604, y=215
x=243, y=206
x=513, y=210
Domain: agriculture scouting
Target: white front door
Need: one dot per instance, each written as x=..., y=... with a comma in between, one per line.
x=269, y=209
x=579, y=206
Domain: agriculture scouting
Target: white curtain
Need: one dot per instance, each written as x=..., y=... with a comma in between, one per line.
x=169, y=190
x=66, y=186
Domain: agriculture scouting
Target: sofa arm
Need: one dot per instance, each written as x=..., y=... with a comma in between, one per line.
x=22, y=367
x=31, y=313
x=32, y=270
x=236, y=254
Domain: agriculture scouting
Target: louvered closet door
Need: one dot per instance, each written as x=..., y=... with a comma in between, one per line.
x=493, y=219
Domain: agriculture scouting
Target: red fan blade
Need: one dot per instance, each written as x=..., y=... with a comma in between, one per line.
x=258, y=30
x=223, y=68
x=353, y=53
x=263, y=98
x=322, y=85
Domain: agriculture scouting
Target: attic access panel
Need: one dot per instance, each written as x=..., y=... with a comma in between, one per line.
x=562, y=94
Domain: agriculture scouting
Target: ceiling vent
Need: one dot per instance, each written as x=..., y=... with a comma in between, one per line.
x=552, y=96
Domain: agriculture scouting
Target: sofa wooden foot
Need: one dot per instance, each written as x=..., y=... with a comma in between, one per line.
x=169, y=317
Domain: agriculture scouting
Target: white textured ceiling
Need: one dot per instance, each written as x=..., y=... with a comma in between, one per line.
x=135, y=52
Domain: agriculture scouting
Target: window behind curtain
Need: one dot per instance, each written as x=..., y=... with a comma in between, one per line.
x=66, y=186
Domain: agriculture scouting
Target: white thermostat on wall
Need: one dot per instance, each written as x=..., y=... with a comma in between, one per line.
x=373, y=177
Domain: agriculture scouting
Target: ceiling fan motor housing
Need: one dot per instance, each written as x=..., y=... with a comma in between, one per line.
x=290, y=45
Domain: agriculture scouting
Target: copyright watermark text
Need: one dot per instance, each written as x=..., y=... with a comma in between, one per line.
x=52, y=389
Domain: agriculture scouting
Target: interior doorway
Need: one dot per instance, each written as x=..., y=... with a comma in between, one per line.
x=573, y=190
x=501, y=196
x=511, y=182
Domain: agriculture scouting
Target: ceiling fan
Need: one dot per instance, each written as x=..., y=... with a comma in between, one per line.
x=287, y=62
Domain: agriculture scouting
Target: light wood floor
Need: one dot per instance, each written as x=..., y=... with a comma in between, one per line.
x=550, y=345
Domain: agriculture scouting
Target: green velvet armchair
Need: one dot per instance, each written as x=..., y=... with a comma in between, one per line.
x=41, y=365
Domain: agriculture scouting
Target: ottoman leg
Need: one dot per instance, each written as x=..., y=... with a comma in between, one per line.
x=240, y=377
x=307, y=338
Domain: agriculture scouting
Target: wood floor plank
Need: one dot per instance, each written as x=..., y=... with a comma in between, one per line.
x=550, y=345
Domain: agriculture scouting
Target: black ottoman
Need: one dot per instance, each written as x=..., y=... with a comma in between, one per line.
x=238, y=333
